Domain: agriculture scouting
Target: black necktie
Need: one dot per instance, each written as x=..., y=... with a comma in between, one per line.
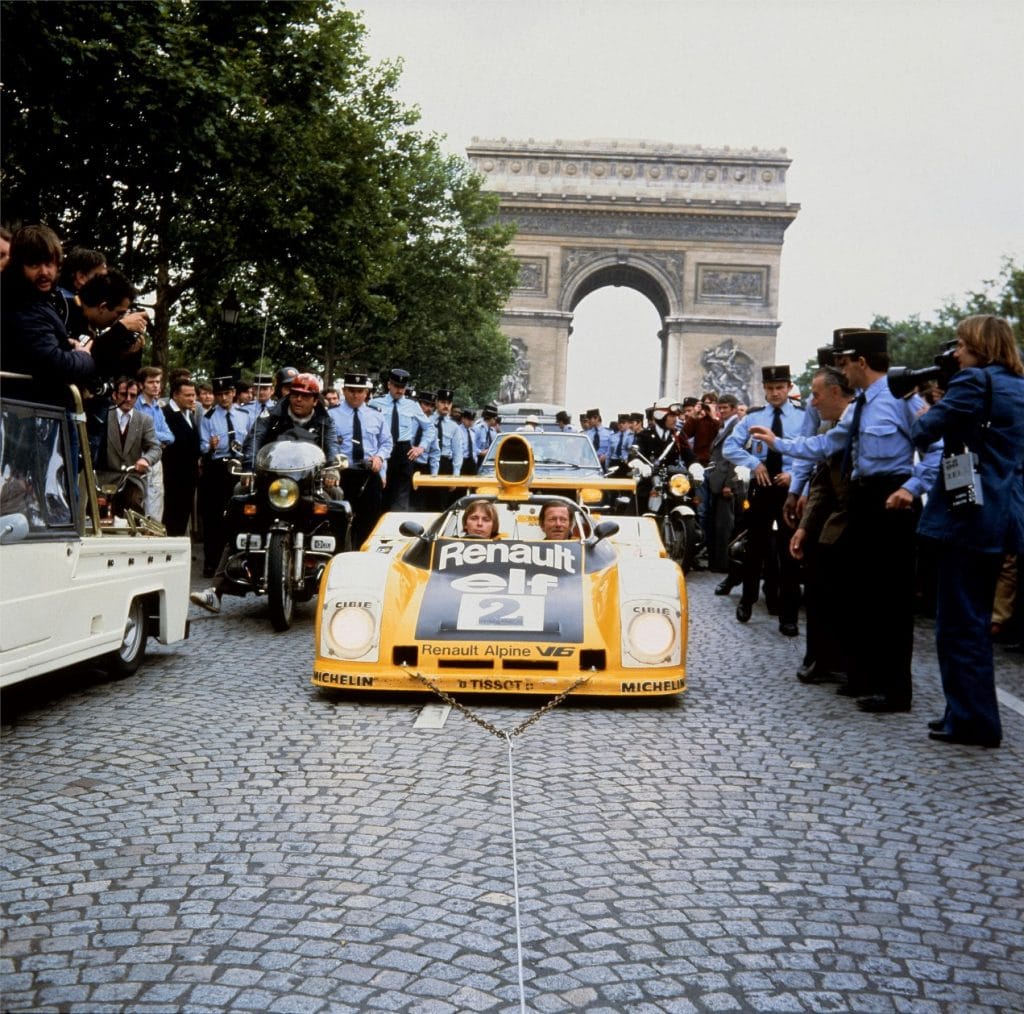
x=851, y=437
x=618, y=450
x=394, y=421
x=773, y=460
x=357, y=437
x=597, y=439
x=440, y=432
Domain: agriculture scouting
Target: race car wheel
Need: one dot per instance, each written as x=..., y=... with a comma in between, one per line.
x=279, y=580
x=126, y=660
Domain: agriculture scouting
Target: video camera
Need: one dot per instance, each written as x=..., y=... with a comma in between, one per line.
x=903, y=380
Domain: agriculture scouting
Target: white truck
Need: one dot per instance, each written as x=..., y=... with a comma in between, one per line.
x=74, y=585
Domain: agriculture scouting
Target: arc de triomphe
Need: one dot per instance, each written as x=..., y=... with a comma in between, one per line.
x=698, y=231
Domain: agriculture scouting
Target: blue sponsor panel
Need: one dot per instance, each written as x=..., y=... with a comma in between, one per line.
x=503, y=591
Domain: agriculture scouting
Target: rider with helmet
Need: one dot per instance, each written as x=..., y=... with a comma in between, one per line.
x=299, y=415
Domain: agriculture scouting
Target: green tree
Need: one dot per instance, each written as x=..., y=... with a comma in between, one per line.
x=915, y=342
x=247, y=145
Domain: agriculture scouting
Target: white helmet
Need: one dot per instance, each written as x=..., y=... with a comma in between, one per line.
x=661, y=407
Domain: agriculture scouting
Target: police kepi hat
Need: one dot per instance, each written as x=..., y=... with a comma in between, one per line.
x=222, y=384
x=445, y=394
x=357, y=380
x=400, y=377
x=826, y=355
x=863, y=343
x=770, y=374
x=263, y=380
x=425, y=397
x=490, y=411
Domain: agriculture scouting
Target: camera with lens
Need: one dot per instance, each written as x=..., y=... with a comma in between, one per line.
x=904, y=381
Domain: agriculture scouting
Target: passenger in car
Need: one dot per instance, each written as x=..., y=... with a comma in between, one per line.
x=480, y=520
x=555, y=520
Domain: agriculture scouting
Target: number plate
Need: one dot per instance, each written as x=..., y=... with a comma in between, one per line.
x=501, y=612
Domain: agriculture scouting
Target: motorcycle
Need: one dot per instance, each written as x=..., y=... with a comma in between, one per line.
x=672, y=502
x=289, y=520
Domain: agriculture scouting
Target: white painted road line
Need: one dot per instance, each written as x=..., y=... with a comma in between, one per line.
x=433, y=716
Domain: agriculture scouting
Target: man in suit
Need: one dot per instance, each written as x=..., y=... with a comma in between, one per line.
x=181, y=458
x=724, y=491
x=131, y=444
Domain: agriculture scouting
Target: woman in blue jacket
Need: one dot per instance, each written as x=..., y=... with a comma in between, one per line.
x=982, y=412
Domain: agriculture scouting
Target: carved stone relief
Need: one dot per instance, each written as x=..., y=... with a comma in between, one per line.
x=727, y=370
x=717, y=283
x=533, y=276
x=515, y=385
x=665, y=265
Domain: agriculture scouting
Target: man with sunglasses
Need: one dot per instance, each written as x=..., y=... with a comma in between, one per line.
x=131, y=448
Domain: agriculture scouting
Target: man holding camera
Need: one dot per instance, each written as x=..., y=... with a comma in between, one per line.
x=886, y=484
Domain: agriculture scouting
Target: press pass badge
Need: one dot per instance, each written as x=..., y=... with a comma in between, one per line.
x=962, y=481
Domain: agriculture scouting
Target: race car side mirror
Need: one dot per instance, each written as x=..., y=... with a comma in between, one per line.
x=605, y=529
x=412, y=529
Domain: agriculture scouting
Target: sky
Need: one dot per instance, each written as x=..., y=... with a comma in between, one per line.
x=904, y=121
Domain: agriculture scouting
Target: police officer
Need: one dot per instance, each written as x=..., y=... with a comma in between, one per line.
x=365, y=440
x=599, y=434
x=425, y=434
x=401, y=415
x=621, y=441
x=485, y=431
x=770, y=474
x=263, y=392
x=886, y=483
x=222, y=432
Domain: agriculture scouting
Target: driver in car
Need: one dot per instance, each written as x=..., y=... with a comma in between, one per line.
x=555, y=521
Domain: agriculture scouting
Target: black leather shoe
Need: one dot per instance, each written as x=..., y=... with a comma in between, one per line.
x=724, y=587
x=806, y=672
x=937, y=724
x=854, y=690
x=882, y=706
x=743, y=612
x=789, y=630
x=952, y=737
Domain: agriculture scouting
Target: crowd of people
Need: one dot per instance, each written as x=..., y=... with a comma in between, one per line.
x=838, y=506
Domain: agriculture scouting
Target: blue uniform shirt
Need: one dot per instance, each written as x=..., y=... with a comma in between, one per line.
x=735, y=448
x=425, y=435
x=883, y=445
x=409, y=414
x=618, y=447
x=483, y=436
x=215, y=423
x=376, y=436
x=155, y=412
x=452, y=441
x=800, y=477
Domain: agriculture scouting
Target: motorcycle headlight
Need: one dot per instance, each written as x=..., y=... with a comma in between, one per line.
x=351, y=630
x=283, y=493
x=679, y=485
x=650, y=636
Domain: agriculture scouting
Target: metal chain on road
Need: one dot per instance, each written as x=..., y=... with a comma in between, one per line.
x=508, y=737
x=493, y=729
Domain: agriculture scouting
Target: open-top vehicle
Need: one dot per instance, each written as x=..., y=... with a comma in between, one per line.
x=516, y=613
x=75, y=585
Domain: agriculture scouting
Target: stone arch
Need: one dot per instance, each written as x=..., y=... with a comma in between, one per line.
x=697, y=231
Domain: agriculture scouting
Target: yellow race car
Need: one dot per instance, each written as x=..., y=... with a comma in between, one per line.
x=515, y=613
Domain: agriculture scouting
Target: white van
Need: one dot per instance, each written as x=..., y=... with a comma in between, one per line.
x=71, y=587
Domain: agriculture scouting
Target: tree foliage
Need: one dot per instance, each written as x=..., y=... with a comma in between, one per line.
x=915, y=342
x=211, y=146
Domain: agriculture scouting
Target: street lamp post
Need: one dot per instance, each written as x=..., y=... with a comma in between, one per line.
x=230, y=311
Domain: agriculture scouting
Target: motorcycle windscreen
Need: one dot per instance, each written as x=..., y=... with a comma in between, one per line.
x=291, y=457
x=504, y=591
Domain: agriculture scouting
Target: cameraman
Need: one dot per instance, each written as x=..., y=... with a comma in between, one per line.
x=974, y=524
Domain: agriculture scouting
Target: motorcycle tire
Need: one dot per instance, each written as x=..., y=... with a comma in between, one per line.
x=279, y=580
x=688, y=542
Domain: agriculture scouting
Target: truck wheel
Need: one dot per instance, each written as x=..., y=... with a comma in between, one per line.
x=279, y=580
x=126, y=660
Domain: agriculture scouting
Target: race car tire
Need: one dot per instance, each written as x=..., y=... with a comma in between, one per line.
x=279, y=580
x=126, y=660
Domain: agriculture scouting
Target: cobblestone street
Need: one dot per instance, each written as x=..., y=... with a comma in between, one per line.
x=215, y=834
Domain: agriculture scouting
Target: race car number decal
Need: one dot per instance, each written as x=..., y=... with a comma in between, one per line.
x=503, y=590
x=506, y=612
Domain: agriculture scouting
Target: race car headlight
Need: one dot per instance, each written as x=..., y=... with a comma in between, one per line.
x=679, y=485
x=351, y=630
x=650, y=636
x=283, y=493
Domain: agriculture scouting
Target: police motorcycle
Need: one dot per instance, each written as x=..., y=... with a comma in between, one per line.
x=672, y=502
x=288, y=520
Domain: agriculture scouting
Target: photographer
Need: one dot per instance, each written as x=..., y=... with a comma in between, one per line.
x=975, y=514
